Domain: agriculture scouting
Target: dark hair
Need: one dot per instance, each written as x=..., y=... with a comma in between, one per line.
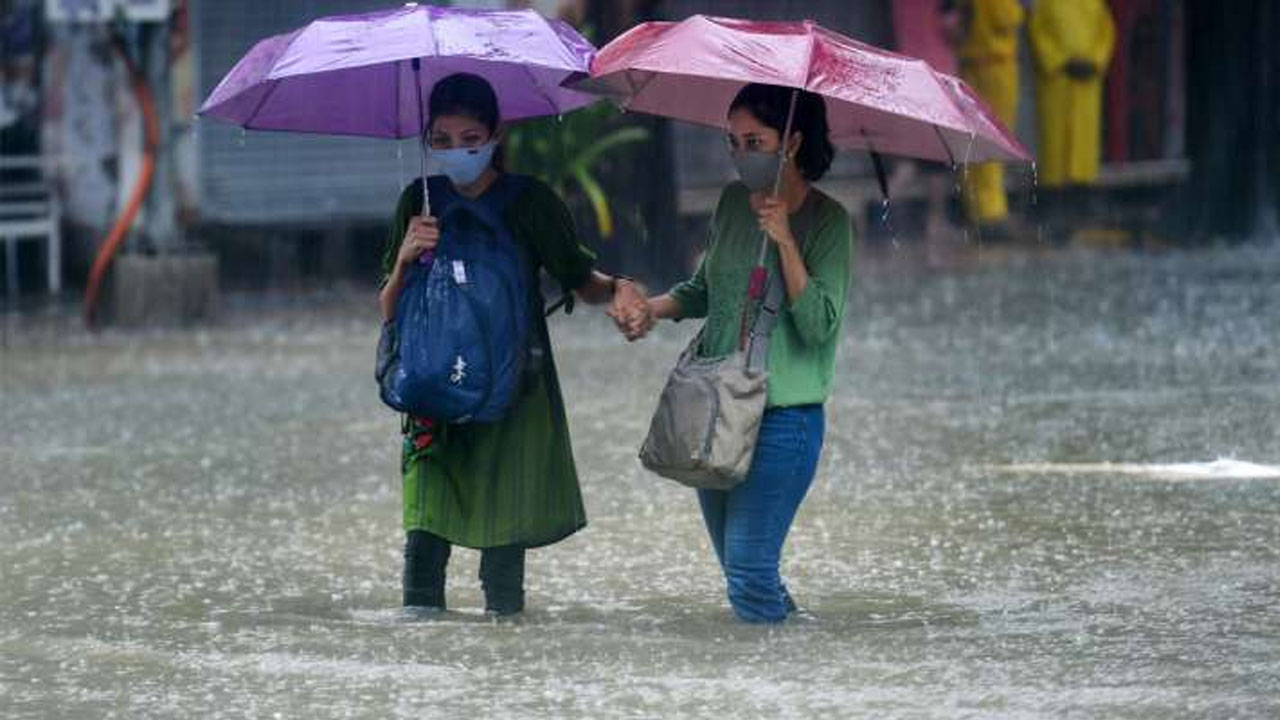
x=770, y=103
x=467, y=95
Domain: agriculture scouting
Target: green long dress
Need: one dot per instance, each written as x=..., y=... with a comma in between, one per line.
x=511, y=482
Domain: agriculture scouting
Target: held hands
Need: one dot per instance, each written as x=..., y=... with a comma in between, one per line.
x=772, y=215
x=422, y=235
x=630, y=310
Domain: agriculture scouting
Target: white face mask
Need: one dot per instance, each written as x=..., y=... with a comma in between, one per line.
x=463, y=166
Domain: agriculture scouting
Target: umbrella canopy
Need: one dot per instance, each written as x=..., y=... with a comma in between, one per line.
x=876, y=100
x=367, y=74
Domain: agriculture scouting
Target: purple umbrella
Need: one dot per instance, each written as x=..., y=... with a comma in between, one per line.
x=368, y=74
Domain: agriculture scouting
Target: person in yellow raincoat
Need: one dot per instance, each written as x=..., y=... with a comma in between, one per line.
x=1072, y=41
x=989, y=63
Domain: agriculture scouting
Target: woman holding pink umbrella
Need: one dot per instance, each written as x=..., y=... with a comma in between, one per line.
x=785, y=93
x=811, y=249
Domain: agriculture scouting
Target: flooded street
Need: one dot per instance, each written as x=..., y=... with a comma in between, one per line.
x=1035, y=500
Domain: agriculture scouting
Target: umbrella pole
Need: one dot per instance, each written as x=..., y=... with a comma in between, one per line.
x=759, y=275
x=777, y=180
x=422, y=131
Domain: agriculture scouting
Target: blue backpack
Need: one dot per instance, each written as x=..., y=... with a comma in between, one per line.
x=464, y=331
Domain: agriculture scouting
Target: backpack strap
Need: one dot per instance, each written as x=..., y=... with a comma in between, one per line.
x=505, y=191
x=490, y=208
x=441, y=193
x=510, y=188
x=513, y=186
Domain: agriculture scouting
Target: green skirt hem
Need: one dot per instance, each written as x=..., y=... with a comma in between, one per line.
x=528, y=544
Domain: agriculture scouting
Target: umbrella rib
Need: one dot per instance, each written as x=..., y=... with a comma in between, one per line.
x=258, y=108
x=943, y=139
x=541, y=90
x=808, y=62
x=431, y=32
x=635, y=91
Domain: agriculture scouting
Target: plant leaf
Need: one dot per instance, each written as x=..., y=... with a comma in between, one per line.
x=599, y=203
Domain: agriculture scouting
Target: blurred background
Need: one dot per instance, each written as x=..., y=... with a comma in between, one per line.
x=1188, y=133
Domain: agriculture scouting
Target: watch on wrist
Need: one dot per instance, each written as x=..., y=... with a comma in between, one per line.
x=613, y=283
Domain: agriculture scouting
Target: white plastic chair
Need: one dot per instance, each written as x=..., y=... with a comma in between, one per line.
x=30, y=211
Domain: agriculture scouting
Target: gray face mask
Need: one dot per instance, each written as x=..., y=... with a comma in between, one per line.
x=758, y=170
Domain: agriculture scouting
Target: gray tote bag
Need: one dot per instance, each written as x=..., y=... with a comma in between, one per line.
x=704, y=431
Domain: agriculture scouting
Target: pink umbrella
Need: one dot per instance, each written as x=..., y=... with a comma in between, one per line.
x=876, y=100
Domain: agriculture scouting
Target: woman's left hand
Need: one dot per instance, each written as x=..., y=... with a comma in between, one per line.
x=772, y=214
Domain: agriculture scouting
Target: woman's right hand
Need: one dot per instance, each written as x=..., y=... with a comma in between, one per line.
x=422, y=235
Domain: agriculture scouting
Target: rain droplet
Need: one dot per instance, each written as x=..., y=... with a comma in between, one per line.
x=399, y=165
x=1035, y=183
x=886, y=220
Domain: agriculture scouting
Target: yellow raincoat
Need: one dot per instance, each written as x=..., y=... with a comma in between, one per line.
x=1070, y=109
x=989, y=62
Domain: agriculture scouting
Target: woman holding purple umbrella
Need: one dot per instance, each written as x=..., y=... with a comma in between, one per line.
x=510, y=485
x=811, y=249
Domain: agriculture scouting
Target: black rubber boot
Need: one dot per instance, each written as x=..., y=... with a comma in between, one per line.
x=425, y=558
x=502, y=576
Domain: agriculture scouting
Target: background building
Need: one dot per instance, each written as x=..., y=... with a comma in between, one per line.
x=1190, y=124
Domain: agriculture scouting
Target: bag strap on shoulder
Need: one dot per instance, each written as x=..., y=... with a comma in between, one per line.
x=443, y=195
x=767, y=318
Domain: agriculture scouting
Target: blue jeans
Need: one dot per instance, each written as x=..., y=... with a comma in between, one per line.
x=749, y=523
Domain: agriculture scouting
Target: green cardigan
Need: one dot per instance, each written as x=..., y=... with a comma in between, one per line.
x=802, y=348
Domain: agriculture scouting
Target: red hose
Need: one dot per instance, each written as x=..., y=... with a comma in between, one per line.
x=151, y=141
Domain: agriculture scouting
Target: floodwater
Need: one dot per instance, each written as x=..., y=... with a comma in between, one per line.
x=1048, y=490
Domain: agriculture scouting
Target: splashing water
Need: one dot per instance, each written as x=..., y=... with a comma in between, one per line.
x=1221, y=469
